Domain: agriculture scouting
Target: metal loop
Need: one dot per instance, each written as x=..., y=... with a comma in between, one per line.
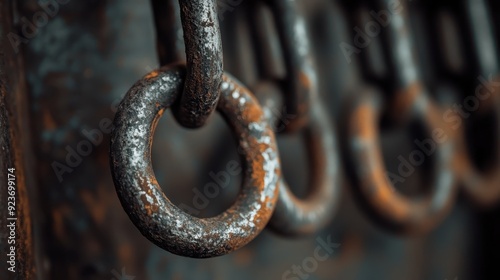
x=204, y=62
x=142, y=198
x=483, y=188
x=372, y=186
x=478, y=52
x=295, y=216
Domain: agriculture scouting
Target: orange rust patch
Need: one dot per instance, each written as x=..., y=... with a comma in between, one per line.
x=152, y=74
x=252, y=113
x=305, y=80
x=363, y=120
x=405, y=98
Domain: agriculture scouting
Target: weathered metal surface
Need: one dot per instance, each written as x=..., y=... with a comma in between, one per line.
x=73, y=97
x=204, y=62
x=17, y=259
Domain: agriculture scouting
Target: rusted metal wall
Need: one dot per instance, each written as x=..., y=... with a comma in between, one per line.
x=17, y=181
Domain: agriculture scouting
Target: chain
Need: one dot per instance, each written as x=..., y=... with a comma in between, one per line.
x=193, y=84
x=407, y=99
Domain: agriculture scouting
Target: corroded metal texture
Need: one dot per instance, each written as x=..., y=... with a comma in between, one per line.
x=301, y=216
x=142, y=198
x=204, y=62
x=17, y=259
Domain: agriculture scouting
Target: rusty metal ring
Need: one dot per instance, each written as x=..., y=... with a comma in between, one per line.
x=203, y=45
x=483, y=188
x=372, y=186
x=295, y=216
x=140, y=194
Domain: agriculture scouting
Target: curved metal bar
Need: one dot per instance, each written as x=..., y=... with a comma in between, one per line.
x=204, y=62
x=301, y=79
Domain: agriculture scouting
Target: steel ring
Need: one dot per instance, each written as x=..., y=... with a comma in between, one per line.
x=295, y=216
x=372, y=187
x=151, y=211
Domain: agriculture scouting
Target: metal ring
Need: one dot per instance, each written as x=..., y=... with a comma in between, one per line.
x=204, y=62
x=483, y=188
x=142, y=198
x=377, y=195
x=294, y=216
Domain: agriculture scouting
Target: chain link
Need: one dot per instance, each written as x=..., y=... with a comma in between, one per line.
x=482, y=187
x=294, y=216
